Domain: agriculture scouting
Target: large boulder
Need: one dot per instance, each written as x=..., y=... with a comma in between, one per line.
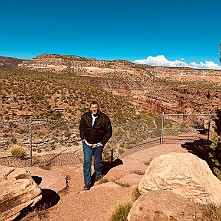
x=17, y=191
x=184, y=174
x=163, y=205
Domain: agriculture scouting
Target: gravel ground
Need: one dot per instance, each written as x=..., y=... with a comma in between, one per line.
x=100, y=201
x=97, y=204
x=75, y=204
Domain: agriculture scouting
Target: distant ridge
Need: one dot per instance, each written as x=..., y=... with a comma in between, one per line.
x=10, y=62
x=56, y=56
x=76, y=58
x=57, y=62
x=68, y=82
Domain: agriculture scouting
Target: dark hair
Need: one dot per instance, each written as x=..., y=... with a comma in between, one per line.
x=94, y=102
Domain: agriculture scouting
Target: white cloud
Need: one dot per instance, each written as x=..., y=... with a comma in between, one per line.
x=206, y=65
x=160, y=60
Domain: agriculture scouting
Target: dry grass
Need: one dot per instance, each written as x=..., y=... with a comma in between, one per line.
x=18, y=151
x=121, y=212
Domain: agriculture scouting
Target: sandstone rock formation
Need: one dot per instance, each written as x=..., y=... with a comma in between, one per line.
x=150, y=89
x=184, y=174
x=176, y=186
x=10, y=62
x=163, y=205
x=17, y=191
x=143, y=83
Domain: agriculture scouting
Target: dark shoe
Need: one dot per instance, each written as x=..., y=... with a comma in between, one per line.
x=87, y=187
x=98, y=178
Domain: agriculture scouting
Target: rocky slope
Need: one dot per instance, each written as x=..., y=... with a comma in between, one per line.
x=152, y=89
x=65, y=84
x=10, y=62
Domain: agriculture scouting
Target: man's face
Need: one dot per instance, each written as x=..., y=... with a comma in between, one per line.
x=94, y=108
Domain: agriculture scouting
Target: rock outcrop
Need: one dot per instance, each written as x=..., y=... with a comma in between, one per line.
x=176, y=185
x=10, y=62
x=164, y=205
x=143, y=83
x=17, y=191
x=184, y=174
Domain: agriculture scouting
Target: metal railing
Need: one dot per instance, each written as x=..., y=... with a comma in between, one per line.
x=185, y=123
x=46, y=140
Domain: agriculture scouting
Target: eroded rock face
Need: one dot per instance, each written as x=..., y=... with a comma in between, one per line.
x=163, y=205
x=184, y=174
x=140, y=82
x=17, y=191
x=177, y=186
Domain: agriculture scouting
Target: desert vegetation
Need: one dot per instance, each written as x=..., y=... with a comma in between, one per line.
x=60, y=98
x=35, y=94
x=215, y=154
x=122, y=210
x=41, y=102
x=27, y=96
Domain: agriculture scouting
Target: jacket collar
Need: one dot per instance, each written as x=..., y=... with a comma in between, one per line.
x=97, y=114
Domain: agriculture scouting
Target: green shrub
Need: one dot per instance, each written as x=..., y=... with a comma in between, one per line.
x=103, y=180
x=18, y=152
x=45, y=167
x=121, y=212
x=216, y=147
x=135, y=194
x=123, y=184
x=67, y=133
x=215, y=154
x=56, y=115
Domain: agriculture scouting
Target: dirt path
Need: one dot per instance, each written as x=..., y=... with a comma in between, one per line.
x=98, y=204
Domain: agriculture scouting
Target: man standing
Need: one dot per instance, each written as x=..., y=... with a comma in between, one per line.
x=95, y=130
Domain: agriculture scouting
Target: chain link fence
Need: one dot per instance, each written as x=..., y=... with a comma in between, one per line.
x=41, y=140
x=56, y=142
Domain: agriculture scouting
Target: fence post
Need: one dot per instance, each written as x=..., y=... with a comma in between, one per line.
x=112, y=146
x=30, y=141
x=208, y=132
x=162, y=128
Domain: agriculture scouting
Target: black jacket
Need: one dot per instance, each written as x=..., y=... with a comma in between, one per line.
x=101, y=130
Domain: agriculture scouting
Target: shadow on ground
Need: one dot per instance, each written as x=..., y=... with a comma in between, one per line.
x=37, y=179
x=200, y=148
x=106, y=167
x=49, y=199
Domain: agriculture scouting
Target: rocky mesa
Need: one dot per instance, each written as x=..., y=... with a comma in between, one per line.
x=151, y=89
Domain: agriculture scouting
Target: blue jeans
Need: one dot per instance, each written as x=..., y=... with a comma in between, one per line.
x=88, y=153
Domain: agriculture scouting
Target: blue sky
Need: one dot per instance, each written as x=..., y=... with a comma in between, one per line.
x=156, y=32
